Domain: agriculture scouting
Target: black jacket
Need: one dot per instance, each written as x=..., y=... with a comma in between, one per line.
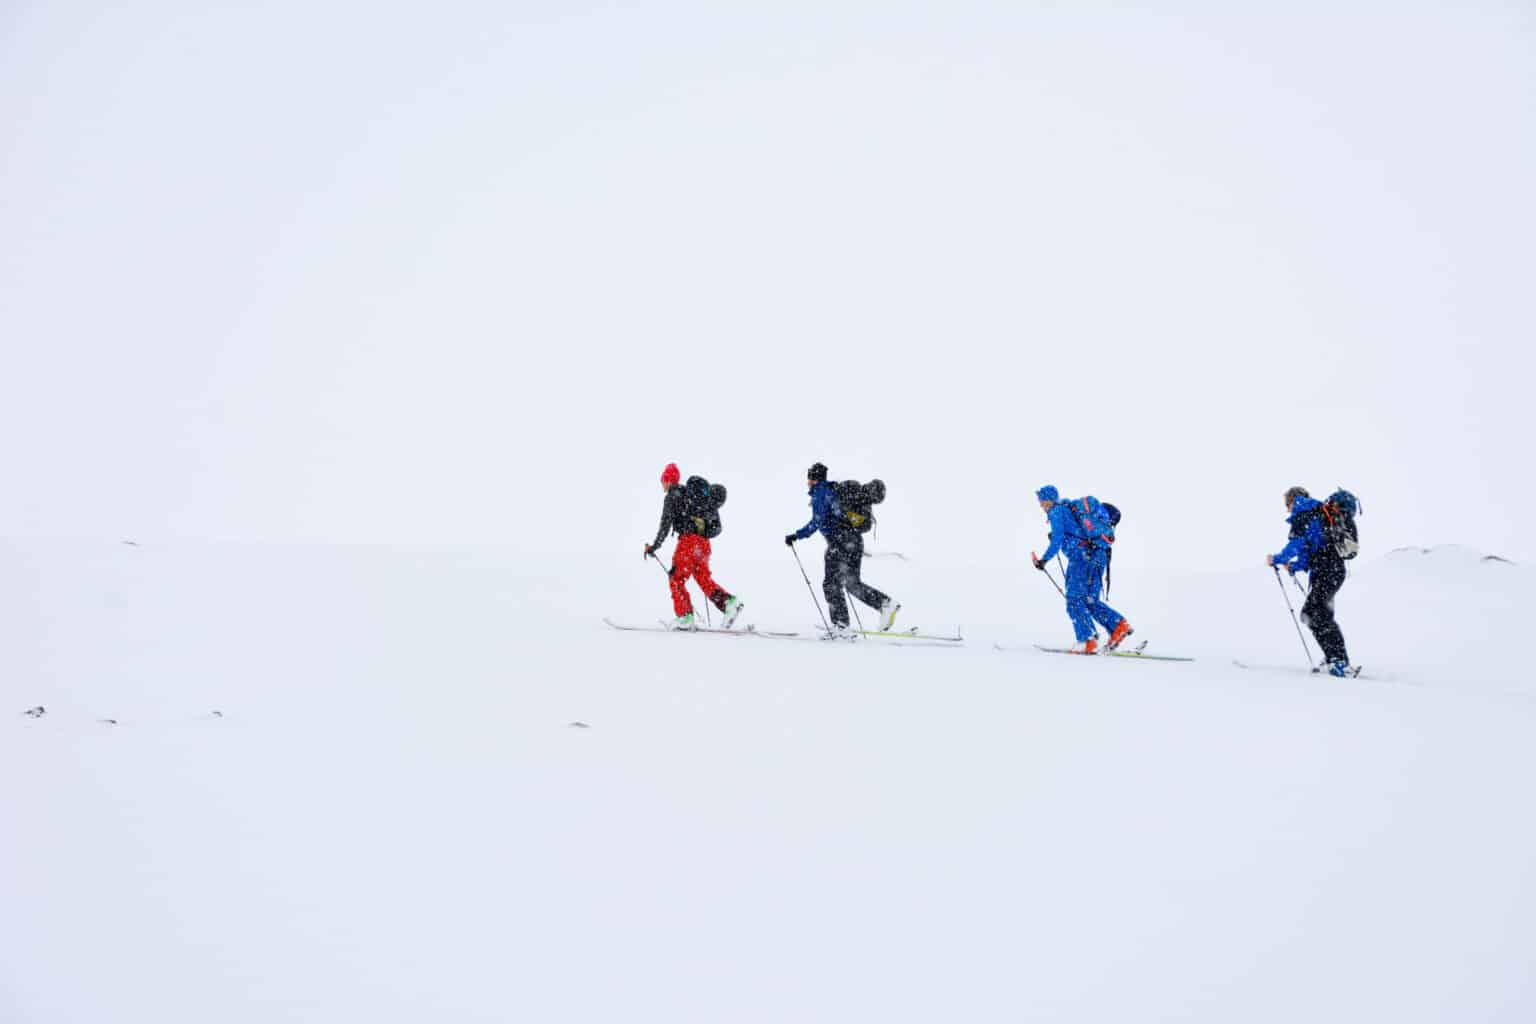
x=674, y=515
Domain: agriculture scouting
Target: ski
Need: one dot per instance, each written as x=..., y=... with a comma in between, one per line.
x=1138, y=652
x=1113, y=654
x=819, y=633
x=1353, y=672
x=910, y=634
x=662, y=628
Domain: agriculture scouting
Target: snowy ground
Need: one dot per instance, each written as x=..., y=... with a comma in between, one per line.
x=393, y=817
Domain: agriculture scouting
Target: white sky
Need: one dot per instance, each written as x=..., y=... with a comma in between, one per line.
x=475, y=272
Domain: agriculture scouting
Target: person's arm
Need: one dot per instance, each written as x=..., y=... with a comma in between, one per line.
x=1289, y=553
x=668, y=505
x=1053, y=517
x=1312, y=541
x=818, y=514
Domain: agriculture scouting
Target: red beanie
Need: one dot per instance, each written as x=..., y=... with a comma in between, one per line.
x=670, y=475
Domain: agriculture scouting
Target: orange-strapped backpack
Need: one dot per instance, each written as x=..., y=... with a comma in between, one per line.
x=1339, y=530
x=1097, y=517
x=1101, y=517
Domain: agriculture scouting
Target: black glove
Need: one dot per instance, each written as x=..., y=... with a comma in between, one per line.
x=1039, y=565
x=790, y=539
x=649, y=550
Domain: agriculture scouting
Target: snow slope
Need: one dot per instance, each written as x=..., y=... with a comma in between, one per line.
x=396, y=816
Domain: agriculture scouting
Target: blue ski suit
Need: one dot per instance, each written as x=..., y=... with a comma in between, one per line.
x=1087, y=551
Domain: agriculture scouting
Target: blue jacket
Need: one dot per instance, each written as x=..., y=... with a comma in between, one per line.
x=1075, y=533
x=1297, y=555
x=825, y=512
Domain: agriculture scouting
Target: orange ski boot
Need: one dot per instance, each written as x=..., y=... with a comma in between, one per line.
x=1121, y=632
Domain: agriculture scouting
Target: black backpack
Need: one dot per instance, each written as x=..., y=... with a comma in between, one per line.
x=701, y=507
x=856, y=501
x=1113, y=515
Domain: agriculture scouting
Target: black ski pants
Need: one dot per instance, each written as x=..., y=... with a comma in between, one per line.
x=845, y=553
x=1324, y=580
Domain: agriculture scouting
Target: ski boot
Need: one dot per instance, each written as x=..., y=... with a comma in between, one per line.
x=682, y=622
x=888, y=615
x=842, y=631
x=1090, y=646
x=1122, y=631
x=732, y=608
x=1340, y=669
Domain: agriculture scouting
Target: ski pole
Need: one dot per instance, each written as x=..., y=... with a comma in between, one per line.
x=1035, y=558
x=1294, y=621
x=814, y=599
x=849, y=598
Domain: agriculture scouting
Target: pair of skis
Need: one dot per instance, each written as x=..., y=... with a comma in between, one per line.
x=1139, y=652
x=1353, y=672
x=662, y=627
x=912, y=633
x=895, y=634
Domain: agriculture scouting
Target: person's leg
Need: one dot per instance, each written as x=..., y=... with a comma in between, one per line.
x=682, y=567
x=1100, y=612
x=853, y=560
x=716, y=594
x=832, y=584
x=1078, y=592
x=1317, y=613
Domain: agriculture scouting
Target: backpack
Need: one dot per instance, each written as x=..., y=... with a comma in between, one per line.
x=1339, y=530
x=1097, y=516
x=1112, y=514
x=701, y=507
x=855, y=503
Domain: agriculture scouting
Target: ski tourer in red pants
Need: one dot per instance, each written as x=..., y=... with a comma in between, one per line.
x=693, y=513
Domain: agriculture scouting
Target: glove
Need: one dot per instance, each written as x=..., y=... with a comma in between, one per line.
x=649, y=550
x=1039, y=564
x=790, y=539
